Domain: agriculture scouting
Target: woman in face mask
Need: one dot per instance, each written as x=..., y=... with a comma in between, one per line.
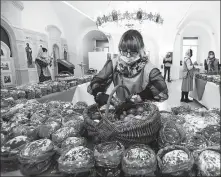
x=213, y=63
x=133, y=69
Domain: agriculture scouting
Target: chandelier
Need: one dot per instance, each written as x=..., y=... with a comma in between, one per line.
x=128, y=15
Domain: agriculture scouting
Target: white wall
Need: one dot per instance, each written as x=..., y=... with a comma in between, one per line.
x=36, y=15
x=88, y=46
x=204, y=41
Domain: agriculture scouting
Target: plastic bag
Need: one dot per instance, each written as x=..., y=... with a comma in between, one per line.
x=76, y=160
x=36, y=157
x=45, y=131
x=171, y=133
x=21, y=94
x=63, y=133
x=108, y=158
x=195, y=142
x=215, y=139
x=176, y=165
x=208, y=161
x=139, y=160
x=36, y=151
x=108, y=154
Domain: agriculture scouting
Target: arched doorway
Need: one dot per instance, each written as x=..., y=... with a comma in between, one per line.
x=94, y=41
x=197, y=36
x=10, y=56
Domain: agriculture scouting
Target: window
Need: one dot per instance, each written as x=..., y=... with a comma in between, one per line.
x=191, y=43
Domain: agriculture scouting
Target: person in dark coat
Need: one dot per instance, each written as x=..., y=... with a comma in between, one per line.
x=167, y=61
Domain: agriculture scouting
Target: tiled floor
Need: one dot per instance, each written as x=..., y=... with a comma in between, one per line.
x=174, y=100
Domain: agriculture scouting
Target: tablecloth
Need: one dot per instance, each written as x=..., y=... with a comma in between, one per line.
x=66, y=95
x=211, y=95
x=81, y=94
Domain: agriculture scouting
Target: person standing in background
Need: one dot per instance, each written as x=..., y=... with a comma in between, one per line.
x=167, y=64
x=188, y=73
x=213, y=63
x=205, y=65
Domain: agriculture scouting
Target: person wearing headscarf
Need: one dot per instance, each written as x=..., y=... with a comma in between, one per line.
x=42, y=63
x=213, y=63
x=131, y=68
x=188, y=73
x=167, y=64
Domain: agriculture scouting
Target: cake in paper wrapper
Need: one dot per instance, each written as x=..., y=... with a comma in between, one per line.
x=76, y=160
x=208, y=162
x=175, y=160
x=72, y=142
x=14, y=145
x=139, y=160
x=63, y=133
x=45, y=131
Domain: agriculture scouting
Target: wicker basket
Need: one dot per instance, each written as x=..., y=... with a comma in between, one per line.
x=141, y=132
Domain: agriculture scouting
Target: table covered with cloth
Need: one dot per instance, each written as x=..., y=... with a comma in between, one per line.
x=206, y=93
x=81, y=94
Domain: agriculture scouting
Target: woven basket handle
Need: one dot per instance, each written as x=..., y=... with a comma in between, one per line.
x=111, y=96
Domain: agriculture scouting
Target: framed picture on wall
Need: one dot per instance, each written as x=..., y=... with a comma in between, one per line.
x=5, y=66
x=7, y=79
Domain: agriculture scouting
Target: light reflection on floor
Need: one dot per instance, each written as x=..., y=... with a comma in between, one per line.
x=174, y=97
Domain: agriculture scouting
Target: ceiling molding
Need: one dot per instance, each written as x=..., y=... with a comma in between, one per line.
x=76, y=9
x=18, y=4
x=184, y=17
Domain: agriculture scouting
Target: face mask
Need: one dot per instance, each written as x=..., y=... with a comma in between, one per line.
x=130, y=60
x=211, y=56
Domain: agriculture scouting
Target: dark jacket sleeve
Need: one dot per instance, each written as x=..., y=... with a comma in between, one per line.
x=102, y=80
x=156, y=89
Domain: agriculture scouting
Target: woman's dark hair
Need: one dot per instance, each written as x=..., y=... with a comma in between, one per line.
x=211, y=53
x=44, y=49
x=131, y=40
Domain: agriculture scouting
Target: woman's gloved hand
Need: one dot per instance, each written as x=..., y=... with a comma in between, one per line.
x=101, y=98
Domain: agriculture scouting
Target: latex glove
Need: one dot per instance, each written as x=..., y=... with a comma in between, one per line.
x=101, y=99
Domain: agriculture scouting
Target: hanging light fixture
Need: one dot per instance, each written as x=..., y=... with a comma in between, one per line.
x=128, y=15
